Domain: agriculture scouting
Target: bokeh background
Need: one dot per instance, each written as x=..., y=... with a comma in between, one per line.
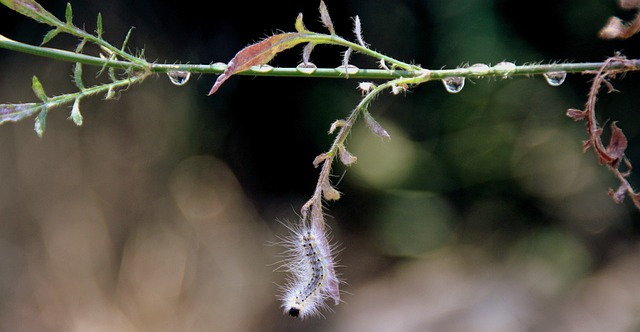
x=480, y=214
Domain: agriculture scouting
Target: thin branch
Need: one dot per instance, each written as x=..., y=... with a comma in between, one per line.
x=218, y=68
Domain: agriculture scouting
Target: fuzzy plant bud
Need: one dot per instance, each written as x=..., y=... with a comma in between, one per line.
x=325, y=18
x=345, y=156
x=335, y=125
x=357, y=29
x=299, y=24
x=319, y=159
x=375, y=127
x=329, y=192
x=366, y=87
x=76, y=116
x=613, y=29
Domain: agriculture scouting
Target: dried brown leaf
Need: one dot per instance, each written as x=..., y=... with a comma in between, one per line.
x=319, y=159
x=617, y=29
x=345, y=156
x=613, y=29
x=329, y=192
x=619, y=194
x=335, y=125
x=617, y=143
x=375, y=127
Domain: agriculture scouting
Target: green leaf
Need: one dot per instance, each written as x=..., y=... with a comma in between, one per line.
x=75, y=113
x=52, y=33
x=111, y=93
x=299, y=24
x=38, y=89
x=126, y=40
x=77, y=76
x=41, y=122
x=99, y=26
x=32, y=9
x=112, y=74
x=68, y=14
x=81, y=46
x=16, y=112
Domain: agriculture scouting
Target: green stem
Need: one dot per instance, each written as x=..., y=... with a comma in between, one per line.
x=526, y=70
x=335, y=40
x=97, y=89
x=63, y=55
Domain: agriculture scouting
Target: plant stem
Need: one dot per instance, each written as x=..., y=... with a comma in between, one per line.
x=63, y=55
x=523, y=70
x=314, y=204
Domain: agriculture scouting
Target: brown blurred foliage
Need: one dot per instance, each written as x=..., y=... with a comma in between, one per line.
x=481, y=213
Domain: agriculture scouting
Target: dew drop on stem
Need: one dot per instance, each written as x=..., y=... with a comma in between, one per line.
x=555, y=78
x=179, y=77
x=308, y=68
x=262, y=68
x=504, y=69
x=453, y=84
x=479, y=69
x=348, y=70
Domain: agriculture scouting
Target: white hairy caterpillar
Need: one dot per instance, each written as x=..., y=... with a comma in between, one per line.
x=312, y=274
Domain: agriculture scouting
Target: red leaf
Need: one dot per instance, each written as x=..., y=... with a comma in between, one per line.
x=617, y=143
x=258, y=54
x=636, y=199
x=576, y=114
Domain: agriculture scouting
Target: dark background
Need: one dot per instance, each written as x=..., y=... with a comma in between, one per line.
x=481, y=213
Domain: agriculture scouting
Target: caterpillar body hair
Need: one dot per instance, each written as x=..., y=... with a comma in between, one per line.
x=312, y=279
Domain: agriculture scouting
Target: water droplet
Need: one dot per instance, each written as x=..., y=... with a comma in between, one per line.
x=262, y=68
x=479, y=69
x=555, y=78
x=351, y=69
x=453, y=84
x=307, y=68
x=504, y=68
x=179, y=77
x=219, y=65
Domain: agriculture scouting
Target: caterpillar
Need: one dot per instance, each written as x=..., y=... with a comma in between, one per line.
x=313, y=279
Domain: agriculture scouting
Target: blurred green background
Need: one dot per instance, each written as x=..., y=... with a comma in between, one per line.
x=480, y=214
